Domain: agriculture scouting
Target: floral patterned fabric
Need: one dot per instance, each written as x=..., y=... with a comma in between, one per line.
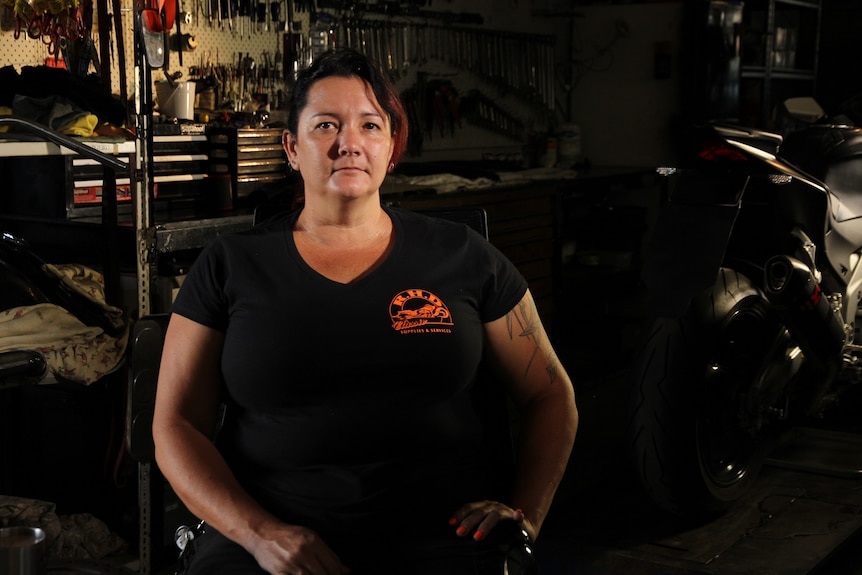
x=73, y=351
x=77, y=536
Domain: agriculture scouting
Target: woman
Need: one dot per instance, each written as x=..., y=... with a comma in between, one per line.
x=344, y=339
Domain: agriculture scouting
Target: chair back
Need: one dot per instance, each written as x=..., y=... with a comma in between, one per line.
x=148, y=338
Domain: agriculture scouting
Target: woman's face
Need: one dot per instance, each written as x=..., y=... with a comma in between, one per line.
x=343, y=143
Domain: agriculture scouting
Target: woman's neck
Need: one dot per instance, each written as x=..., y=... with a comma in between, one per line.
x=344, y=249
x=347, y=225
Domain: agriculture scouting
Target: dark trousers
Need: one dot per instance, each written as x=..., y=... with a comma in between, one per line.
x=506, y=545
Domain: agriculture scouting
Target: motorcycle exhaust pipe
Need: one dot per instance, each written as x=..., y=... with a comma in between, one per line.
x=795, y=294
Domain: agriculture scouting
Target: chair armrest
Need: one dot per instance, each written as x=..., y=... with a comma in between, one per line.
x=145, y=356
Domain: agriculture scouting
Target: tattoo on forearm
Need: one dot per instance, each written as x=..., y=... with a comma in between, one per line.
x=523, y=321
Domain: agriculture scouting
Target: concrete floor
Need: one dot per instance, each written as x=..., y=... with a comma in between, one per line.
x=795, y=521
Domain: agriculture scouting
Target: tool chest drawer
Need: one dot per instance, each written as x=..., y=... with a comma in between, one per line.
x=253, y=158
x=180, y=168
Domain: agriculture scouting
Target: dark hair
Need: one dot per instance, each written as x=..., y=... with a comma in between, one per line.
x=346, y=63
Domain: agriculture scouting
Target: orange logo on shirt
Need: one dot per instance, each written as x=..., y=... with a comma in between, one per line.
x=419, y=311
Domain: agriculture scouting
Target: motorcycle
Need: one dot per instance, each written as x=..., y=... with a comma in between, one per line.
x=754, y=277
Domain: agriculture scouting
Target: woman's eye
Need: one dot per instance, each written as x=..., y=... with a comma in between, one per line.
x=325, y=126
x=371, y=126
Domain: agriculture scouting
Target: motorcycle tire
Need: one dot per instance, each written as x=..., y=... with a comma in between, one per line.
x=696, y=444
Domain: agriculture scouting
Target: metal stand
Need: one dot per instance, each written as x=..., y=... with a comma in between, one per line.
x=142, y=197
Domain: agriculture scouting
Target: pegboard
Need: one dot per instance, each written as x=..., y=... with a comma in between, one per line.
x=219, y=44
x=22, y=52
x=223, y=43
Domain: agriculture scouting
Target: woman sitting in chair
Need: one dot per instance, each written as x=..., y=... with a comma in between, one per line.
x=343, y=340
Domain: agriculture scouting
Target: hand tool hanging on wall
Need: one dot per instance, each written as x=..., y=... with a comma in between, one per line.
x=121, y=52
x=104, y=22
x=441, y=109
x=288, y=48
x=60, y=25
x=275, y=14
x=412, y=98
x=243, y=10
x=83, y=47
x=480, y=110
x=179, y=33
x=516, y=62
x=260, y=20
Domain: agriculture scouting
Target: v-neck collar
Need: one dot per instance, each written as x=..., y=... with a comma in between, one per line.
x=397, y=229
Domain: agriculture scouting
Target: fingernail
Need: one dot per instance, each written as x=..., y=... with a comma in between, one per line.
x=453, y=521
x=461, y=530
x=479, y=535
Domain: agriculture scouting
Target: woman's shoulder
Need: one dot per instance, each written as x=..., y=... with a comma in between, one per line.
x=443, y=220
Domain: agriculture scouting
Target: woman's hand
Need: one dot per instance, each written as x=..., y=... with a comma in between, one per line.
x=477, y=519
x=296, y=550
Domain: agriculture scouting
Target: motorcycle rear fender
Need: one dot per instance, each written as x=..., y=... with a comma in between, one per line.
x=690, y=240
x=776, y=164
x=763, y=147
x=685, y=254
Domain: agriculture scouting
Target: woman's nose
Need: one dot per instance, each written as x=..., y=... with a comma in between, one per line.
x=348, y=141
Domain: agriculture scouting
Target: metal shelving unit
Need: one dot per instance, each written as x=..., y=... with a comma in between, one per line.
x=780, y=55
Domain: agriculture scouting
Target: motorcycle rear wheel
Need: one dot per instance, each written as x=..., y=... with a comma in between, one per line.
x=696, y=439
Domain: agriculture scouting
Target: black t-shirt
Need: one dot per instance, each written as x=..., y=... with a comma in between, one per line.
x=349, y=401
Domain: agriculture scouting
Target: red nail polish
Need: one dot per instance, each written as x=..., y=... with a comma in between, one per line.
x=453, y=521
x=479, y=535
x=461, y=530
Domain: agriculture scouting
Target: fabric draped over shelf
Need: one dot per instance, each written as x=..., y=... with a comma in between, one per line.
x=74, y=351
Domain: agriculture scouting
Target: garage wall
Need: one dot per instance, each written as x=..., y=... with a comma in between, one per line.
x=605, y=75
x=624, y=110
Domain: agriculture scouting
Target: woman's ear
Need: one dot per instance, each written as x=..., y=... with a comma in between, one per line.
x=391, y=166
x=288, y=142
